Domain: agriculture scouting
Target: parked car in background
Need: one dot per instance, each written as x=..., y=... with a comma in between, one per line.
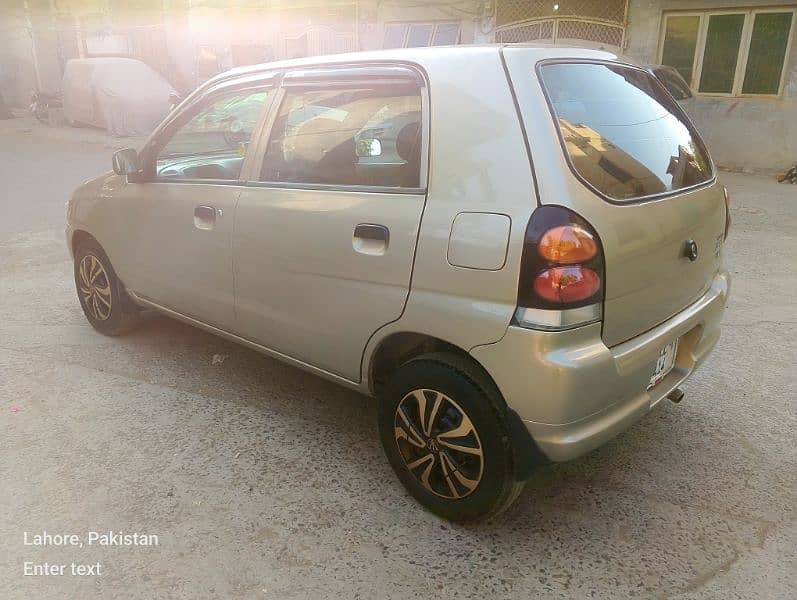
x=123, y=95
x=518, y=251
x=672, y=81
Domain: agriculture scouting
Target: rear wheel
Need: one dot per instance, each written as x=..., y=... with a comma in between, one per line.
x=102, y=297
x=446, y=436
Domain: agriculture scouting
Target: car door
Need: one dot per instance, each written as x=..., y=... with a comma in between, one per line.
x=326, y=227
x=176, y=246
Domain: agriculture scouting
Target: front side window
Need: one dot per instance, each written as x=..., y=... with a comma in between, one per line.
x=345, y=137
x=213, y=143
x=730, y=53
x=623, y=133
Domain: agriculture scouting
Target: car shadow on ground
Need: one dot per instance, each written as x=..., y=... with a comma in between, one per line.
x=654, y=461
x=223, y=424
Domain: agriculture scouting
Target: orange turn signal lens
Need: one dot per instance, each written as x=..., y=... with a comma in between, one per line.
x=564, y=285
x=567, y=245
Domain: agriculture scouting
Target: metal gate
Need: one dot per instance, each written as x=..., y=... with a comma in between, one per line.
x=582, y=20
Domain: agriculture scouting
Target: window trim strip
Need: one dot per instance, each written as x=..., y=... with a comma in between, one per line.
x=370, y=189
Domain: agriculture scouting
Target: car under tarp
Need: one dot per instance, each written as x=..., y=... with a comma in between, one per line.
x=123, y=95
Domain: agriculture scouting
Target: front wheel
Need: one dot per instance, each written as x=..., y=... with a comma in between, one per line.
x=446, y=436
x=102, y=296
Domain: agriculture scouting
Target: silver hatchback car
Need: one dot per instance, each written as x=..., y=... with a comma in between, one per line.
x=516, y=250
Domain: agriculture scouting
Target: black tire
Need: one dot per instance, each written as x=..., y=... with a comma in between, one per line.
x=122, y=314
x=465, y=390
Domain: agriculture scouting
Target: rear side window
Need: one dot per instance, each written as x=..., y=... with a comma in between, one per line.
x=347, y=137
x=623, y=134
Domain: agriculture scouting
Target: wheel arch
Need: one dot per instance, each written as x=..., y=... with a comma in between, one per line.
x=78, y=237
x=399, y=348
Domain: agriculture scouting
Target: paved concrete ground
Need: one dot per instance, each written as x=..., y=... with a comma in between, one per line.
x=264, y=482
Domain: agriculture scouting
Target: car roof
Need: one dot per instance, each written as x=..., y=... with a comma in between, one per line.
x=537, y=51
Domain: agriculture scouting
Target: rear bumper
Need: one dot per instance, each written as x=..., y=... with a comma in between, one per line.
x=573, y=393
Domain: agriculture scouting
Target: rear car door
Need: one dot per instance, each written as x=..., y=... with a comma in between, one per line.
x=326, y=227
x=177, y=219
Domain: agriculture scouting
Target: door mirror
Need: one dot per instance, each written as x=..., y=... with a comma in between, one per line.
x=125, y=162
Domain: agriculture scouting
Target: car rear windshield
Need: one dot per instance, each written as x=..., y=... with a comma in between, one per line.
x=624, y=134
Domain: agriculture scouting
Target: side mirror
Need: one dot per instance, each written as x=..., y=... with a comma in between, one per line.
x=125, y=162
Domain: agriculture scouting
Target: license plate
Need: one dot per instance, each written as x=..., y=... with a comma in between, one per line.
x=665, y=363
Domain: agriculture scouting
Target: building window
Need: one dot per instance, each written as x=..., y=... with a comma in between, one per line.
x=731, y=53
x=415, y=35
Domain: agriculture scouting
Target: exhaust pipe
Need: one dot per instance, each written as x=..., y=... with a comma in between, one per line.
x=676, y=395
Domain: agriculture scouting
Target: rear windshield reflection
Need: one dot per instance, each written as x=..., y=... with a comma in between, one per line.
x=623, y=133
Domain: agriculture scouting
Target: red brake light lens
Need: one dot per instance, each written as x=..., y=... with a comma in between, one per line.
x=565, y=285
x=567, y=245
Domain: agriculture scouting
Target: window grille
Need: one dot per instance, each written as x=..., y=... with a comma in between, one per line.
x=587, y=20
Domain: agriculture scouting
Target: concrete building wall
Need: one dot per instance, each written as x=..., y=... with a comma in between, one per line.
x=17, y=73
x=342, y=25
x=743, y=133
x=28, y=55
x=375, y=15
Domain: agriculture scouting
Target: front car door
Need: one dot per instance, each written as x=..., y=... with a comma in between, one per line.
x=325, y=230
x=177, y=233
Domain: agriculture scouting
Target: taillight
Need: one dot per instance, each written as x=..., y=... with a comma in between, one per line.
x=727, y=212
x=567, y=245
x=561, y=272
x=566, y=285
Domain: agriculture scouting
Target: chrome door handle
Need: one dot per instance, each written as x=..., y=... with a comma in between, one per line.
x=205, y=217
x=371, y=239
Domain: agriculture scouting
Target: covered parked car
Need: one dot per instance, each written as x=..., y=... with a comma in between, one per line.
x=123, y=95
x=518, y=251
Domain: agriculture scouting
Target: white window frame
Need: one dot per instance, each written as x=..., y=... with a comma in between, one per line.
x=744, y=47
x=435, y=24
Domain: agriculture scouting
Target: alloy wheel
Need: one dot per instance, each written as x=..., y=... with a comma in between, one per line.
x=95, y=287
x=439, y=444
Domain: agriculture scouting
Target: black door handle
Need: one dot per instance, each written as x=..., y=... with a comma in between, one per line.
x=371, y=239
x=206, y=213
x=204, y=217
x=367, y=231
